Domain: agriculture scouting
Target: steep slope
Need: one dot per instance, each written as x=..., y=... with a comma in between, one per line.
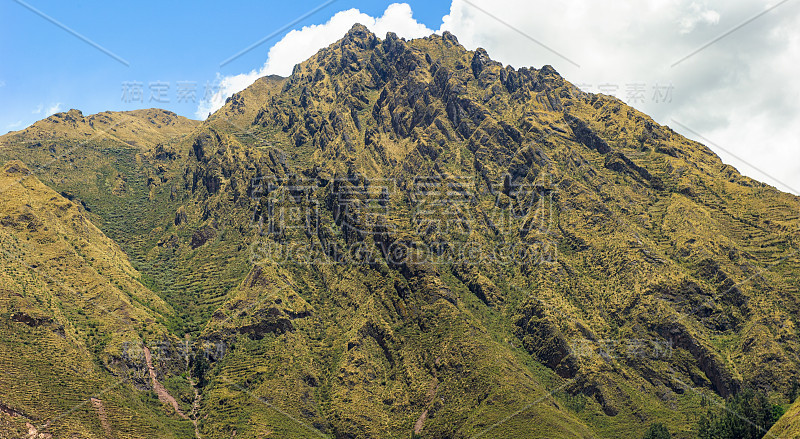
x=74, y=320
x=110, y=163
x=99, y=160
x=240, y=109
x=422, y=212
x=406, y=237
x=788, y=426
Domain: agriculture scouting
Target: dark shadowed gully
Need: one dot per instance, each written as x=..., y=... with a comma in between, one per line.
x=401, y=239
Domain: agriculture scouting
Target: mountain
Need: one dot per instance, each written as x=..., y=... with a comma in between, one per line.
x=789, y=424
x=75, y=321
x=409, y=238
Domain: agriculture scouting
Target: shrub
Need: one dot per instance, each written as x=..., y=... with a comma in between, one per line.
x=657, y=431
x=746, y=415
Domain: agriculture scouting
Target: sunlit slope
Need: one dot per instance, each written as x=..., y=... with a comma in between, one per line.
x=407, y=237
x=652, y=277
x=788, y=426
x=74, y=320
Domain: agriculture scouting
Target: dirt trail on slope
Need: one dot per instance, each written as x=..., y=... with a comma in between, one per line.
x=432, y=387
x=195, y=408
x=420, y=422
x=101, y=413
x=162, y=393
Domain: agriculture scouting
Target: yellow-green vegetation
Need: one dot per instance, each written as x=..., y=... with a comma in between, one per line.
x=788, y=426
x=138, y=128
x=408, y=238
x=74, y=320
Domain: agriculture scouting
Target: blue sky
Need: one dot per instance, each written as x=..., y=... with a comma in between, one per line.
x=42, y=65
x=729, y=65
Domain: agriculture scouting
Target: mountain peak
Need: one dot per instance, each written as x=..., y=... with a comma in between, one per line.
x=72, y=115
x=448, y=36
x=360, y=36
x=358, y=30
x=137, y=127
x=403, y=232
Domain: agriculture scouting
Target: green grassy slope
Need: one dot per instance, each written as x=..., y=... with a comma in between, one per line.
x=122, y=168
x=406, y=237
x=788, y=426
x=672, y=261
x=74, y=319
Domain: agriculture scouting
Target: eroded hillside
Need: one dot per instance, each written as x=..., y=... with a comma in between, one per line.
x=75, y=322
x=408, y=237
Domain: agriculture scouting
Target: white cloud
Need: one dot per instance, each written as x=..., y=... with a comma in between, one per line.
x=698, y=14
x=53, y=109
x=740, y=92
x=299, y=45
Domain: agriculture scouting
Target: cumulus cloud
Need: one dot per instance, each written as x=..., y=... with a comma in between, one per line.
x=739, y=92
x=299, y=45
x=713, y=70
x=698, y=14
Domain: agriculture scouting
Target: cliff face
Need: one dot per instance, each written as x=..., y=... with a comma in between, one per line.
x=408, y=237
x=396, y=184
